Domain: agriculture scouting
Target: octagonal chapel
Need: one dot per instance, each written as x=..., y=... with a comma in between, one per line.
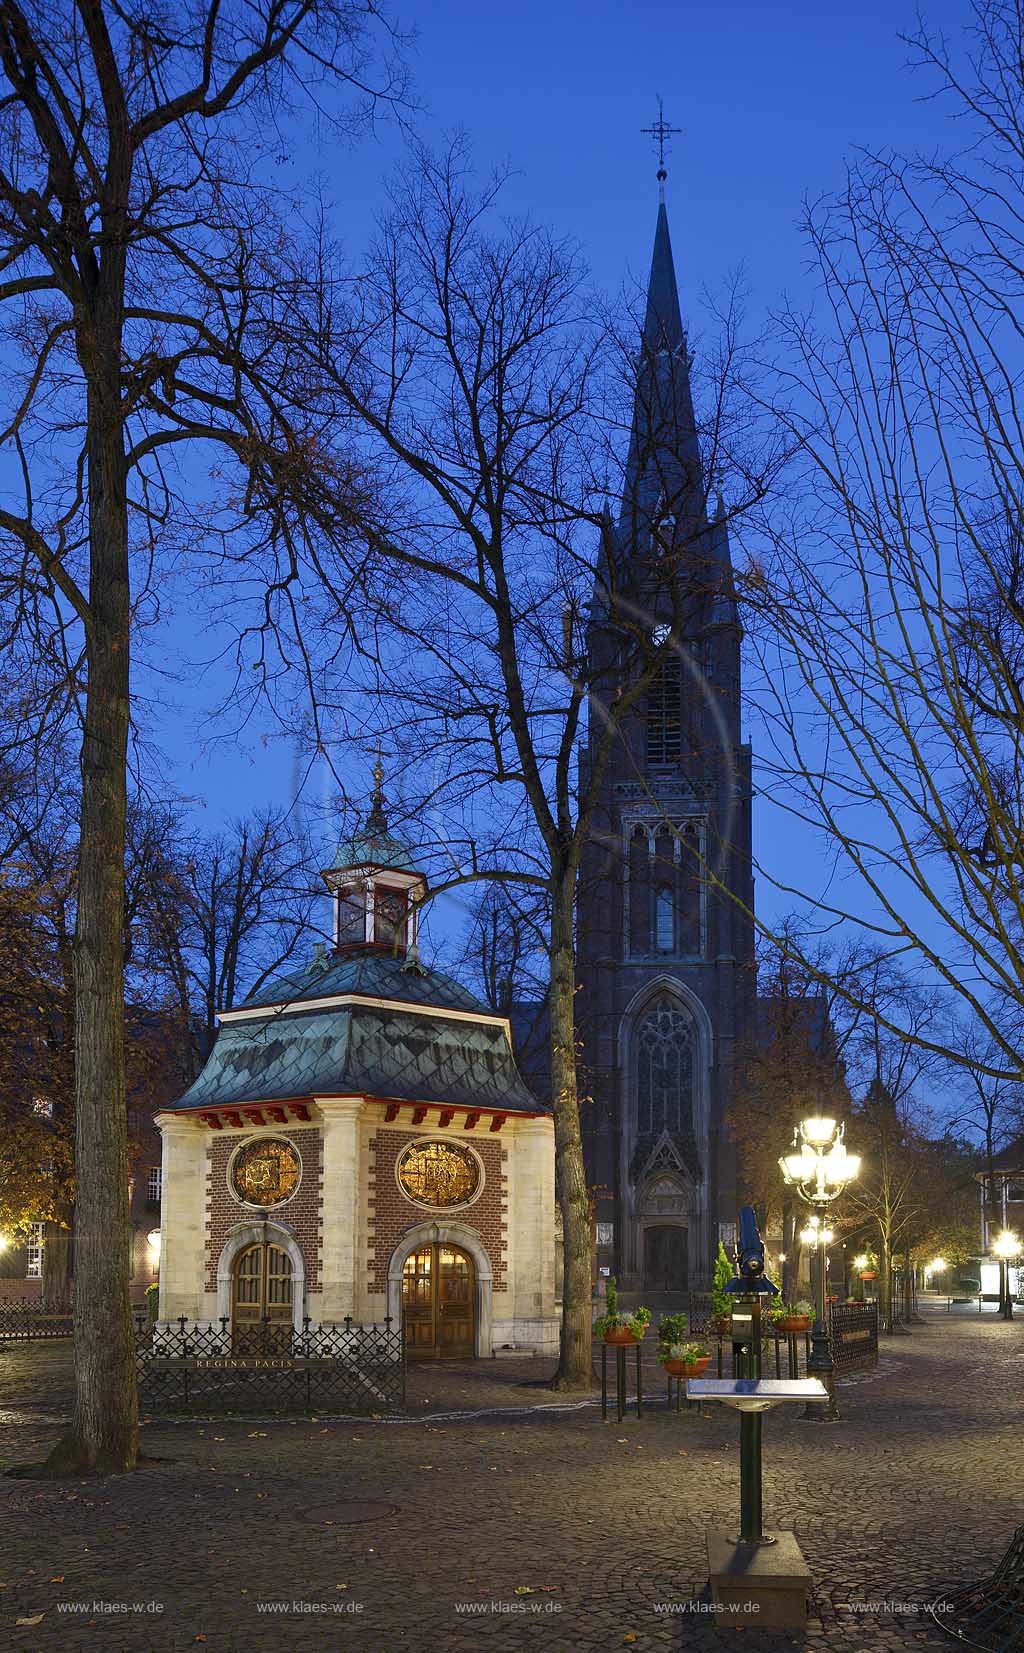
x=361, y=1142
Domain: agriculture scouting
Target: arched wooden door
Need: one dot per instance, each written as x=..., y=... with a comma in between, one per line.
x=439, y=1304
x=261, y=1296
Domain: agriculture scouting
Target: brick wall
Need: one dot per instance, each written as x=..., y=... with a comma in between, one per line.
x=391, y=1214
x=301, y=1214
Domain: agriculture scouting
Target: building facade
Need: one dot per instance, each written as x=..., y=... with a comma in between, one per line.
x=665, y=934
x=361, y=1142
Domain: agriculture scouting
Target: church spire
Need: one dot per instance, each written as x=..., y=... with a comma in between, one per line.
x=663, y=493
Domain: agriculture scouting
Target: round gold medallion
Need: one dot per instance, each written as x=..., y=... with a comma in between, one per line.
x=439, y=1174
x=266, y=1171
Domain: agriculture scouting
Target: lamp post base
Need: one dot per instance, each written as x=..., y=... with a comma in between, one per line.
x=820, y=1366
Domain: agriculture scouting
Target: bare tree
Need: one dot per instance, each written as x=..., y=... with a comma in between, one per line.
x=492, y=398
x=887, y=610
x=146, y=274
x=214, y=916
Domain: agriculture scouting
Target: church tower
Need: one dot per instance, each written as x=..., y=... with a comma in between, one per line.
x=666, y=959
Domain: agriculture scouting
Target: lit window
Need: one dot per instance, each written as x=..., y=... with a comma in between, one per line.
x=34, y=1250
x=154, y=1187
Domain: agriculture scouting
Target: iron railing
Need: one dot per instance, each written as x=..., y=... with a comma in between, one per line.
x=187, y=1365
x=21, y=1322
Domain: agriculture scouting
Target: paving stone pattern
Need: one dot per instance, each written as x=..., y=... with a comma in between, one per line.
x=387, y=1528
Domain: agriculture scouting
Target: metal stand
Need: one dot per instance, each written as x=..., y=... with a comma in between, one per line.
x=620, y=1382
x=819, y=1364
x=746, y=1318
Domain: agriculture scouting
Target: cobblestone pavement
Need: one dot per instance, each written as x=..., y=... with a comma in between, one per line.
x=536, y=1526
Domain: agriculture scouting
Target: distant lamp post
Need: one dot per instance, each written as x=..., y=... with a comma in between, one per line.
x=1004, y=1246
x=819, y=1168
x=153, y=1241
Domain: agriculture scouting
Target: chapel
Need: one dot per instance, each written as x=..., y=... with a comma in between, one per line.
x=361, y=1142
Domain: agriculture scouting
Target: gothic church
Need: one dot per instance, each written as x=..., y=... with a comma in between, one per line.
x=666, y=961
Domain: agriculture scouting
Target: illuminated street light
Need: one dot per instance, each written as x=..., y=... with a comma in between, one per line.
x=1005, y=1245
x=819, y=1166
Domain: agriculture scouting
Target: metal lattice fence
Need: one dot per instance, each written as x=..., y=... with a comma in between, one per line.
x=21, y=1322
x=853, y=1335
x=185, y=1365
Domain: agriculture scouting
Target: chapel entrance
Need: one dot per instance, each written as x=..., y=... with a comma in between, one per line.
x=261, y=1298
x=439, y=1304
x=665, y=1259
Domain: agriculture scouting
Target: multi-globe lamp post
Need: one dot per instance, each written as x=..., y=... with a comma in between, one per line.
x=819, y=1167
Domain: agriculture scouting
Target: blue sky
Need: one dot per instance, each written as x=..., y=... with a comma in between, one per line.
x=771, y=102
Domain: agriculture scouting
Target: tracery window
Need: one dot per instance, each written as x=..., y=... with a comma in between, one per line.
x=664, y=1085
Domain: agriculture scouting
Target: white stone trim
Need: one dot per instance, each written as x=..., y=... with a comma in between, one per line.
x=267, y=1232
x=466, y=1239
x=337, y=1001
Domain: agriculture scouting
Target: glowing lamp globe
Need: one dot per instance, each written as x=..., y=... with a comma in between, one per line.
x=818, y=1130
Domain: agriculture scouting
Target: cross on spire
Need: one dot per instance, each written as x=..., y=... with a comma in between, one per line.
x=660, y=131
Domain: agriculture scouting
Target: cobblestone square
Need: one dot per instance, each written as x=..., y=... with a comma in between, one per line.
x=497, y=1516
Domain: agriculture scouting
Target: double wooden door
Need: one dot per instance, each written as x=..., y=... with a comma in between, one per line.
x=261, y=1296
x=439, y=1304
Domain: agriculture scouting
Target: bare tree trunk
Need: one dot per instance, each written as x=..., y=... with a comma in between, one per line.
x=575, y=1365
x=885, y=1283
x=104, y=1431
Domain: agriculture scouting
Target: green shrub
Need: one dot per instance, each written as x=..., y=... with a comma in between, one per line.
x=672, y=1329
x=721, y=1300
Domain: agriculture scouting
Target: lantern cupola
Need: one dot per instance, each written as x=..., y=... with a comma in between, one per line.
x=375, y=888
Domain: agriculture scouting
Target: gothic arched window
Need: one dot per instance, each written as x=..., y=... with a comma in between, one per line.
x=664, y=919
x=639, y=892
x=664, y=1081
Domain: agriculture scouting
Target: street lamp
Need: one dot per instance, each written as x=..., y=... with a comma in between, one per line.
x=1005, y=1246
x=819, y=1168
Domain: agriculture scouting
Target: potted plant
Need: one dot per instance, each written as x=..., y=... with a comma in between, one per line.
x=672, y=1329
x=616, y=1328
x=721, y=1302
x=685, y=1359
x=774, y=1315
x=796, y=1317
